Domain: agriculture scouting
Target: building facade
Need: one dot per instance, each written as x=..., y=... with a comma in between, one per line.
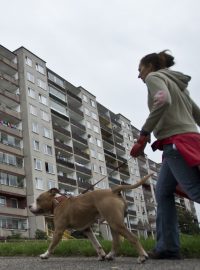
x=54, y=134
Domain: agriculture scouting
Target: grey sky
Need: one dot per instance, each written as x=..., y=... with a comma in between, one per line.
x=98, y=44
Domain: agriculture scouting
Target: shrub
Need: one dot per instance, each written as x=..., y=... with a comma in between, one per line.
x=41, y=235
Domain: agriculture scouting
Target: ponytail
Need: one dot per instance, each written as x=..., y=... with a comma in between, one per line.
x=158, y=60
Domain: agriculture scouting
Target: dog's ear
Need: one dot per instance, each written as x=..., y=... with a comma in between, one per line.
x=54, y=191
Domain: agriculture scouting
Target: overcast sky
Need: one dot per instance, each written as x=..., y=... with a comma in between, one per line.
x=97, y=44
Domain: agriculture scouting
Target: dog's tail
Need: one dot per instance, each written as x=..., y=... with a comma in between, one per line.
x=125, y=187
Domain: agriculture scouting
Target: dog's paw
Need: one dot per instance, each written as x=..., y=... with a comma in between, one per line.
x=142, y=259
x=110, y=257
x=101, y=258
x=45, y=255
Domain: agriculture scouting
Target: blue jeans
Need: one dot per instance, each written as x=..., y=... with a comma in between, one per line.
x=173, y=170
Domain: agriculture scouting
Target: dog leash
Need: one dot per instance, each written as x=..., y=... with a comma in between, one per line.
x=91, y=187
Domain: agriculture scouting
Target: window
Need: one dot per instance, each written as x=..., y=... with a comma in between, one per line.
x=40, y=68
x=58, y=107
x=2, y=201
x=36, y=145
x=33, y=109
x=30, y=77
x=28, y=61
x=90, y=138
x=130, y=137
x=95, y=168
x=41, y=84
x=56, y=79
x=13, y=181
x=49, y=167
x=39, y=183
x=43, y=99
x=98, y=142
x=93, y=153
x=100, y=157
x=87, y=112
x=31, y=92
x=38, y=164
x=89, y=125
x=47, y=133
x=96, y=129
x=94, y=116
x=102, y=170
x=85, y=98
x=14, y=203
x=92, y=102
x=47, y=149
x=35, y=127
x=3, y=178
x=57, y=93
x=51, y=184
x=45, y=116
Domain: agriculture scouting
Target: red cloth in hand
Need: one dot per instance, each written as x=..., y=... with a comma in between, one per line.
x=138, y=147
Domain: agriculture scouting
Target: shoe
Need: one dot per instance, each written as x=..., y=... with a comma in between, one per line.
x=164, y=255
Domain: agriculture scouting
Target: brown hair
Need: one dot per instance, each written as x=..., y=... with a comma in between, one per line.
x=158, y=60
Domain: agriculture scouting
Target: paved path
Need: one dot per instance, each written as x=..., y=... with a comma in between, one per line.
x=84, y=263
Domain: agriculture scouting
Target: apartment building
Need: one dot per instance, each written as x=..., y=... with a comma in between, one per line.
x=54, y=134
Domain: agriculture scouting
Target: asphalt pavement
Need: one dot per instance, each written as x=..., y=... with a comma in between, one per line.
x=89, y=263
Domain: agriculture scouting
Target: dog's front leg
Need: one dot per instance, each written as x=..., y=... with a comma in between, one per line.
x=95, y=243
x=56, y=238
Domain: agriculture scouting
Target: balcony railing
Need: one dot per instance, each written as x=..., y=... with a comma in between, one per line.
x=65, y=163
x=67, y=180
x=77, y=124
x=74, y=96
x=63, y=146
x=83, y=170
x=62, y=130
x=78, y=138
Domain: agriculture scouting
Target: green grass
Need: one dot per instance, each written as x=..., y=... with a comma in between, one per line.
x=190, y=247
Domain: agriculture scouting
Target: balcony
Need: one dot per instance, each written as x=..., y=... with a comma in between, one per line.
x=7, y=66
x=15, y=191
x=67, y=180
x=13, y=211
x=9, y=97
x=83, y=170
x=9, y=115
x=62, y=130
x=8, y=82
x=122, y=159
x=77, y=124
x=65, y=163
x=10, y=129
x=132, y=212
x=79, y=139
x=84, y=184
x=117, y=145
x=114, y=180
x=63, y=146
x=56, y=113
x=109, y=153
x=129, y=198
x=118, y=134
x=80, y=153
x=74, y=96
x=16, y=170
x=11, y=149
x=74, y=109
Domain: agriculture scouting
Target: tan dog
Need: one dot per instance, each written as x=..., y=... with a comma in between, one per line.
x=82, y=211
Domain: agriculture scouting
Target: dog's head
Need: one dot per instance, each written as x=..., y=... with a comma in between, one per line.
x=44, y=202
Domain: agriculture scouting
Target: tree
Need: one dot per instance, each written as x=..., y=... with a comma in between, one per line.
x=187, y=222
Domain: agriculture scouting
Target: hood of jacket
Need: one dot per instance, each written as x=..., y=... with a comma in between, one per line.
x=179, y=78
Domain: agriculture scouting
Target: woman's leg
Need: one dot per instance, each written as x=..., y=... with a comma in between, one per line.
x=166, y=220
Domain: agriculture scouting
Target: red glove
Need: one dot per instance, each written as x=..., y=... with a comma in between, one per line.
x=138, y=147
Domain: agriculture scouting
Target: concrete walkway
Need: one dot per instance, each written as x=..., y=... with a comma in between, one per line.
x=88, y=263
